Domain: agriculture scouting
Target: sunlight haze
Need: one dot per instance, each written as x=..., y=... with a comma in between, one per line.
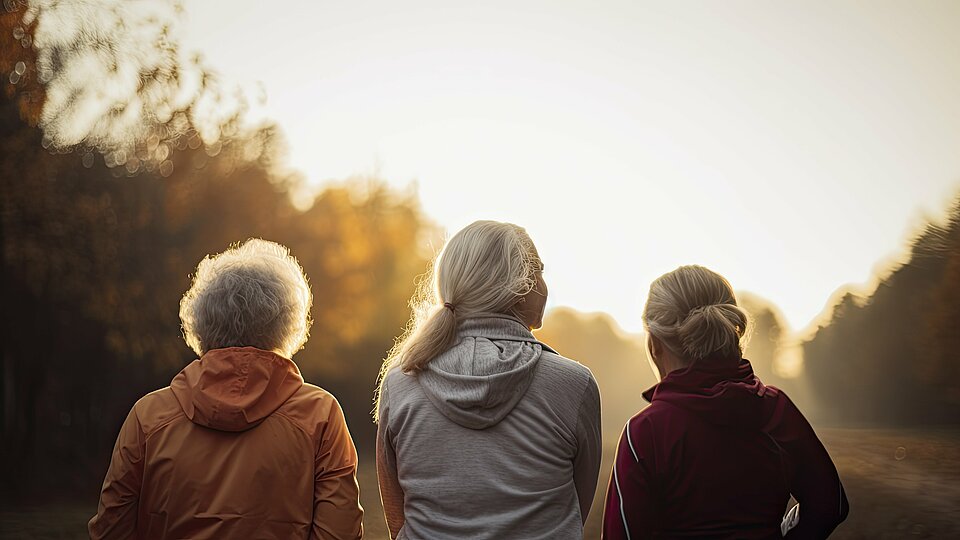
x=792, y=147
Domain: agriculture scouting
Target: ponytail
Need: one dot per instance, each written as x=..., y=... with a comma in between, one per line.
x=434, y=336
x=485, y=268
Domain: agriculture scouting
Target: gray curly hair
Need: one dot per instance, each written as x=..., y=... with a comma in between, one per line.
x=254, y=294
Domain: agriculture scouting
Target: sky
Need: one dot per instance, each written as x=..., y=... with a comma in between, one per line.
x=792, y=146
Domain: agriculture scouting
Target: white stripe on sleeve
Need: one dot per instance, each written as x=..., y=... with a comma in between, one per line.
x=630, y=442
x=623, y=516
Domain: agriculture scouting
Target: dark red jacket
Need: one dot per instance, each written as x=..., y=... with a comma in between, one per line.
x=717, y=454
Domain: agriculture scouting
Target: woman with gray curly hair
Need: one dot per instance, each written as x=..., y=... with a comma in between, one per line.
x=238, y=446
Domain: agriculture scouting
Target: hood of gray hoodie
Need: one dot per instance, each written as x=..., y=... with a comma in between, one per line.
x=478, y=381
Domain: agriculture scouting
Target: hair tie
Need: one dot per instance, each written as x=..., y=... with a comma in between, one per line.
x=449, y=306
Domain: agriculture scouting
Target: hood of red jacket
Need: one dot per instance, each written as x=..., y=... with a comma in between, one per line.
x=235, y=388
x=725, y=393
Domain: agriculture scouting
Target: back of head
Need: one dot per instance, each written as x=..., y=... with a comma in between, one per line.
x=694, y=311
x=484, y=268
x=254, y=294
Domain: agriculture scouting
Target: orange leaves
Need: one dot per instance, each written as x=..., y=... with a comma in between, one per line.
x=18, y=62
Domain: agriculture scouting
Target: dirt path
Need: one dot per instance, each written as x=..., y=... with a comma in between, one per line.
x=901, y=483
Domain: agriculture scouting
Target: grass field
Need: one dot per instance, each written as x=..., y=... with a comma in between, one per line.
x=901, y=484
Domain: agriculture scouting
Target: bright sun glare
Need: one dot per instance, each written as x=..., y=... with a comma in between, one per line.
x=790, y=147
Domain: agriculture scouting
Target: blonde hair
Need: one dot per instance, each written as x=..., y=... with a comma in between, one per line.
x=694, y=311
x=485, y=268
x=254, y=294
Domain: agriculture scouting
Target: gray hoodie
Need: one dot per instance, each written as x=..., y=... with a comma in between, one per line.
x=499, y=437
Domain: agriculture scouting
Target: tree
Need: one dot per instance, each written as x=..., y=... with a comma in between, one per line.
x=888, y=358
x=101, y=231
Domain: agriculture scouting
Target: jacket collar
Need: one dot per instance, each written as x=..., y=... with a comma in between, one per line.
x=497, y=327
x=703, y=375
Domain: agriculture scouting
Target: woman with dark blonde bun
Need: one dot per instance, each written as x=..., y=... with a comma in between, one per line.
x=717, y=454
x=483, y=431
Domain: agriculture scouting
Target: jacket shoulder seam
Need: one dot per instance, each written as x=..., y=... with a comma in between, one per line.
x=161, y=425
x=295, y=423
x=177, y=413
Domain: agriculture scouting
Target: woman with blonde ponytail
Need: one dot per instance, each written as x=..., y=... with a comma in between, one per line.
x=483, y=431
x=717, y=454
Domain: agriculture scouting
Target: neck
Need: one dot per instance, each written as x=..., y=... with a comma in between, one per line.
x=669, y=364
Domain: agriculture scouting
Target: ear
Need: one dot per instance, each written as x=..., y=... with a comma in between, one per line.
x=654, y=352
x=654, y=347
x=518, y=310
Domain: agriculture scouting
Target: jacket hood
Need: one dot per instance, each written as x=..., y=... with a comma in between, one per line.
x=722, y=392
x=478, y=381
x=235, y=388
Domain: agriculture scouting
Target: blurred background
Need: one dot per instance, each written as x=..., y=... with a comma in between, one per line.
x=809, y=152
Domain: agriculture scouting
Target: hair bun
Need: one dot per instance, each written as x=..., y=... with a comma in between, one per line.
x=712, y=328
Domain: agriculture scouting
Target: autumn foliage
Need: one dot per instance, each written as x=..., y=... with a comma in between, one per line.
x=96, y=254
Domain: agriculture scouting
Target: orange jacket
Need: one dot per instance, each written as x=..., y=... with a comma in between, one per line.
x=238, y=446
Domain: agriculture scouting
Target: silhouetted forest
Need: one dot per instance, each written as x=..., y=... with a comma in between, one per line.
x=98, y=242
x=893, y=357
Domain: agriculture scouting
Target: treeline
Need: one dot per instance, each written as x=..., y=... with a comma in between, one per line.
x=893, y=357
x=98, y=244
x=94, y=267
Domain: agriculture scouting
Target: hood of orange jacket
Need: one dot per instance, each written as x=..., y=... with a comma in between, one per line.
x=234, y=389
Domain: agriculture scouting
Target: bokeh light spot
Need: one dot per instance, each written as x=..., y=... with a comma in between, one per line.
x=166, y=168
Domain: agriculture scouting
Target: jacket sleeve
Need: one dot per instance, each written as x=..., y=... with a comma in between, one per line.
x=337, y=514
x=814, y=481
x=586, y=464
x=630, y=511
x=391, y=494
x=119, y=497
